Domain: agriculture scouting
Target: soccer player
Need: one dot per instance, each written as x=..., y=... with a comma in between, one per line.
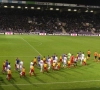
x=3, y=67
x=45, y=67
x=64, y=61
x=35, y=61
x=60, y=58
x=99, y=57
x=31, y=64
x=68, y=56
x=72, y=59
x=88, y=54
x=9, y=74
x=95, y=56
x=49, y=63
x=41, y=65
x=32, y=70
x=79, y=55
x=38, y=58
x=44, y=59
x=84, y=61
x=56, y=58
x=69, y=63
x=75, y=61
x=22, y=73
x=82, y=58
x=53, y=66
x=8, y=67
x=58, y=65
x=17, y=63
x=20, y=65
x=6, y=64
x=51, y=60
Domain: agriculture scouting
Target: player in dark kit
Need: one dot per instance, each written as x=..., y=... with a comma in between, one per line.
x=17, y=63
x=38, y=59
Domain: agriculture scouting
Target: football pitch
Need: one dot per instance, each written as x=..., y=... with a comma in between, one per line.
x=26, y=47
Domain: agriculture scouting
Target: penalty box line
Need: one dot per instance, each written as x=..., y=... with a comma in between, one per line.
x=31, y=46
x=87, y=81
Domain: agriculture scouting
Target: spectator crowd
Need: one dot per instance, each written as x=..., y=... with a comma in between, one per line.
x=18, y=20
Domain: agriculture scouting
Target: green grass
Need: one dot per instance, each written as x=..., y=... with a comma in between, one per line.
x=26, y=47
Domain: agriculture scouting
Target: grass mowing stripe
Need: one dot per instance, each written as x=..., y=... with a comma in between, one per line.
x=31, y=46
x=55, y=83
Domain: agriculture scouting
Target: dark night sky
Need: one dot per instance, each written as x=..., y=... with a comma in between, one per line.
x=86, y=2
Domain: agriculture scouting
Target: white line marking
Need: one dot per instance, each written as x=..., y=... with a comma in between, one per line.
x=54, y=83
x=31, y=46
x=40, y=43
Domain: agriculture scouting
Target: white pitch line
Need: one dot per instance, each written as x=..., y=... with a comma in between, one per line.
x=54, y=83
x=31, y=46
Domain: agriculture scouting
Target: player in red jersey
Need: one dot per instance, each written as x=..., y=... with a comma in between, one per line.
x=72, y=59
x=4, y=67
x=32, y=70
x=35, y=61
x=60, y=58
x=22, y=73
x=9, y=74
x=45, y=67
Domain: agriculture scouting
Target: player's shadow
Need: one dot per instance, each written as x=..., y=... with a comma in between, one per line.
x=1, y=82
x=60, y=74
x=49, y=74
x=74, y=70
x=12, y=81
x=40, y=79
x=27, y=79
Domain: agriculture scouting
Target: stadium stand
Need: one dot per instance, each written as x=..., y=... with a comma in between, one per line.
x=49, y=21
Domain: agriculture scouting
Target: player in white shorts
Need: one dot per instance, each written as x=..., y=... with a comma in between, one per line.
x=82, y=58
x=8, y=67
x=64, y=61
x=31, y=64
x=41, y=65
x=20, y=65
x=49, y=63
x=56, y=59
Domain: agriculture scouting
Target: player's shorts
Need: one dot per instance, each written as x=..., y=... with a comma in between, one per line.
x=9, y=75
x=32, y=70
x=88, y=55
x=44, y=61
x=35, y=63
x=23, y=73
x=69, y=64
x=45, y=68
x=60, y=60
x=95, y=57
